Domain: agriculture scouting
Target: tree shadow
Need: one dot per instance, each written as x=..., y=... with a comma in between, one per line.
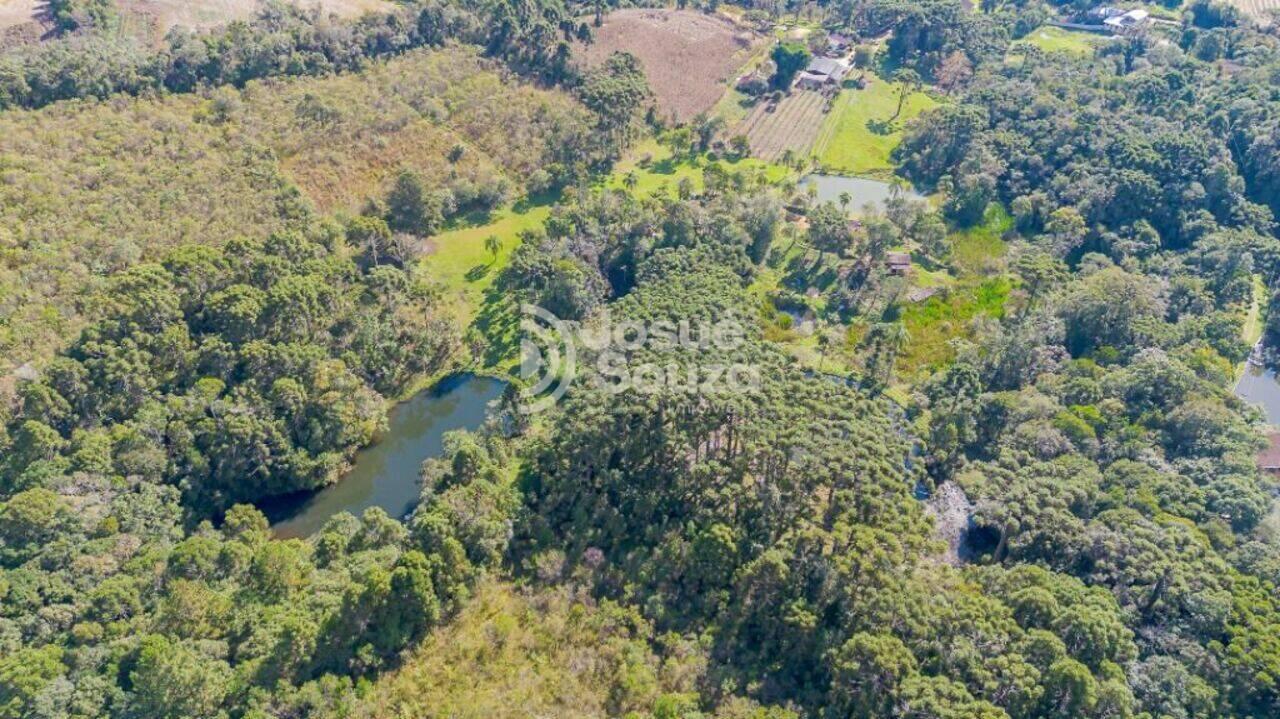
x=803, y=271
x=478, y=272
x=470, y=218
x=881, y=127
x=499, y=323
x=541, y=199
x=665, y=166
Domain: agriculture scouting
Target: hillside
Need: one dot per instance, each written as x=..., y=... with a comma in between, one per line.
x=89, y=188
x=520, y=653
x=905, y=395
x=27, y=20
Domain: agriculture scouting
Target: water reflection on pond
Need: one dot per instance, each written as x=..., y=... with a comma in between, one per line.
x=385, y=474
x=1258, y=386
x=862, y=191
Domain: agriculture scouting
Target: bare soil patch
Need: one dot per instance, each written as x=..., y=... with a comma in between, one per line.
x=688, y=56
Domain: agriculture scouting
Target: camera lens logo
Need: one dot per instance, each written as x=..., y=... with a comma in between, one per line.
x=548, y=359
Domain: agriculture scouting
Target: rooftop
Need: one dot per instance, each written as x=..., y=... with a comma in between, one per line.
x=898, y=259
x=826, y=66
x=1133, y=17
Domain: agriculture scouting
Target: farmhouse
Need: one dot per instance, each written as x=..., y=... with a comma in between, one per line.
x=899, y=263
x=1126, y=21
x=822, y=72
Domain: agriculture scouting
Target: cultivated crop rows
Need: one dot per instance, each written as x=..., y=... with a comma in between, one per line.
x=1256, y=8
x=793, y=125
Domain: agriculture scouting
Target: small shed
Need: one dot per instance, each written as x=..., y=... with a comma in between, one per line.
x=899, y=263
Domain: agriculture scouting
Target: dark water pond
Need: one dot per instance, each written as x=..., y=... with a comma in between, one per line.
x=862, y=190
x=385, y=474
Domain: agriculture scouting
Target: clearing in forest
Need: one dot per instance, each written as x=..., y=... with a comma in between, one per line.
x=1056, y=39
x=791, y=124
x=864, y=127
x=689, y=57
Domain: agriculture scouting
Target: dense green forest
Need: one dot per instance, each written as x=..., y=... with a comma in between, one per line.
x=1029, y=493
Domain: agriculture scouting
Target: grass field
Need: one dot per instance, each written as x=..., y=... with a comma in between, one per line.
x=978, y=250
x=656, y=171
x=1056, y=39
x=861, y=131
x=466, y=271
x=932, y=324
x=979, y=286
x=460, y=262
x=1254, y=321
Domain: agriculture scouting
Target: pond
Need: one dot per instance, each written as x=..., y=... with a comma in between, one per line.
x=385, y=474
x=1258, y=386
x=864, y=191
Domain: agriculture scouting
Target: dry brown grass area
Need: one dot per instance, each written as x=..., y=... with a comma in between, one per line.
x=21, y=21
x=792, y=125
x=689, y=57
x=341, y=138
x=209, y=13
x=90, y=188
x=514, y=654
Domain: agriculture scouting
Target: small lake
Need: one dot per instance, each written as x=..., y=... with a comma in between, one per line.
x=1258, y=386
x=385, y=474
x=864, y=191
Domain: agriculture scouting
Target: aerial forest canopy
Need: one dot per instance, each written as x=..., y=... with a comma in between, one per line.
x=993, y=467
